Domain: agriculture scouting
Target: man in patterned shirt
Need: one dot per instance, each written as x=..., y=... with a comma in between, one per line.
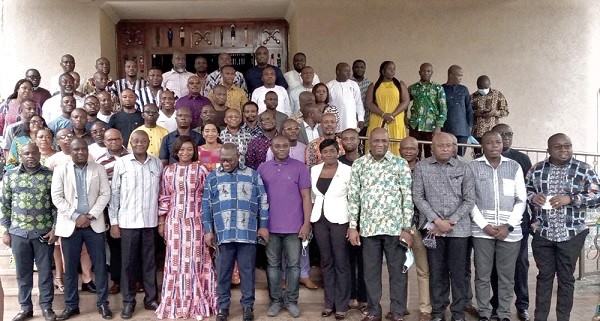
x=560, y=190
x=235, y=213
x=489, y=105
x=235, y=134
x=131, y=80
x=428, y=111
x=259, y=145
x=444, y=194
x=379, y=196
x=28, y=217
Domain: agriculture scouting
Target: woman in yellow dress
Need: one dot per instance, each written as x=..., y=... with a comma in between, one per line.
x=387, y=100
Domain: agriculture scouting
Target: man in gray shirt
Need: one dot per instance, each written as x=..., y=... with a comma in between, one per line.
x=444, y=193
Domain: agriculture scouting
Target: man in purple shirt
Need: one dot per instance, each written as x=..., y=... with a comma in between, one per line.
x=287, y=182
x=194, y=101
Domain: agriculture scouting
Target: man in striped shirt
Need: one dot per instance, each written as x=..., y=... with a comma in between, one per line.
x=495, y=224
x=131, y=80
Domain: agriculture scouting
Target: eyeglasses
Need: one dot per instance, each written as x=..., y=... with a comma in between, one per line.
x=506, y=134
x=564, y=146
x=70, y=136
x=36, y=122
x=292, y=128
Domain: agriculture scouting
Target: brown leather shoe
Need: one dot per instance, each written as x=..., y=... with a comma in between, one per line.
x=371, y=318
x=115, y=288
x=308, y=283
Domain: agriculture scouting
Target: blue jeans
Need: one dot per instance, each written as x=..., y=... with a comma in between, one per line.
x=71, y=246
x=25, y=252
x=245, y=254
x=288, y=245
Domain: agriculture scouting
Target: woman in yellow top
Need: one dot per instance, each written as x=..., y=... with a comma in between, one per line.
x=387, y=100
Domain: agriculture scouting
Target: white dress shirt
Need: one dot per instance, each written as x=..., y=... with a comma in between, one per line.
x=51, y=108
x=294, y=80
x=346, y=97
x=176, y=82
x=134, y=192
x=258, y=96
x=311, y=133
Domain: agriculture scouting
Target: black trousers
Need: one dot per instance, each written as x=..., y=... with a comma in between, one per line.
x=358, y=289
x=373, y=248
x=335, y=263
x=138, y=246
x=425, y=136
x=25, y=252
x=447, y=267
x=555, y=259
x=114, y=245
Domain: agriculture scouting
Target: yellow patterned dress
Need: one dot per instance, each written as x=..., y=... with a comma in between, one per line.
x=388, y=98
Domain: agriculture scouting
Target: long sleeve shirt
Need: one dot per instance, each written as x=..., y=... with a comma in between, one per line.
x=460, y=114
x=501, y=197
x=176, y=82
x=379, y=195
x=346, y=97
x=27, y=209
x=445, y=191
x=234, y=205
x=575, y=179
x=134, y=192
x=428, y=108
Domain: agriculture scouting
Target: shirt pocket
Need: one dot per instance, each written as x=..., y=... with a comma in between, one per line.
x=508, y=187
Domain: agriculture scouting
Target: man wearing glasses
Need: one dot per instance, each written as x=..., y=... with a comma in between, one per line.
x=560, y=189
x=155, y=132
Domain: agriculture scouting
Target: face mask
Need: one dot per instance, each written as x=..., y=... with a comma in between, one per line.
x=410, y=260
x=483, y=91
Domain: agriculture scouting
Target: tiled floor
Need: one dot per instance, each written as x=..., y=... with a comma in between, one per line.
x=587, y=296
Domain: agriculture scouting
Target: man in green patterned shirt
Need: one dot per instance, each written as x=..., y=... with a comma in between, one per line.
x=28, y=218
x=379, y=196
x=428, y=111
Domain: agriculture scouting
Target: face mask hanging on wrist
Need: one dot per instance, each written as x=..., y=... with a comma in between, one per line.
x=410, y=260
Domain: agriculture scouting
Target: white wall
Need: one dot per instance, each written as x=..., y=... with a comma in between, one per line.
x=36, y=33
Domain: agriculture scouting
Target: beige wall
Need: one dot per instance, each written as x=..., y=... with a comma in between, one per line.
x=108, y=41
x=37, y=33
x=544, y=55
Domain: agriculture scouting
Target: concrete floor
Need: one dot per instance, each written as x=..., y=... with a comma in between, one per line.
x=587, y=297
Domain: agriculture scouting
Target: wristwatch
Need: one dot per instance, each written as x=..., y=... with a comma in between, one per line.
x=510, y=227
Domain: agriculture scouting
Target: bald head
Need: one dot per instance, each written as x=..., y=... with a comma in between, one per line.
x=409, y=149
x=305, y=98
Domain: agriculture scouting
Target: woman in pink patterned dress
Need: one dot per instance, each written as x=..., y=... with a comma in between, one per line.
x=209, y=153
x=189, y=281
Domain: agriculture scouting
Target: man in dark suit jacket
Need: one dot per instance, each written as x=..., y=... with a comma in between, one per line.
x=309, y=123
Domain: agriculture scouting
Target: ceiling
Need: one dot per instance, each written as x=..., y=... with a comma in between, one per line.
x=196, y=9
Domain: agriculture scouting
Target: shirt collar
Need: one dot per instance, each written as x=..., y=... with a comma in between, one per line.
x=23, y=170
x=571, y=161
x=452, y=161
x=284, y=162
x=387, y=157
x=77, y=167
x=484, y=159
x=239, y=167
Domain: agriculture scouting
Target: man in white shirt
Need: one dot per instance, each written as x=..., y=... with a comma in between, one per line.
x=166, y=114
x=177, y=79
x=259, y=94
x=308, y=76
x=345, y=95
x=133, y=213
x=51, y=108
x=293, y=77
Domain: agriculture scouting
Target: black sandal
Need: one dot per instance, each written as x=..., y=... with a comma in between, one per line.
x=363, y=309
x=340, y=315
x=326, y=313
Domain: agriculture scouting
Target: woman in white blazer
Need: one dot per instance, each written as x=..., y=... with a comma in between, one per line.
x=330, y=223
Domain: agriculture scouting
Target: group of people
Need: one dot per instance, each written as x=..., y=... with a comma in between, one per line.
x=231, y=184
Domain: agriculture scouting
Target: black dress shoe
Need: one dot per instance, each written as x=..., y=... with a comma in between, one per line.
x=67, y=314
x=23, y=315
x=248, y=314
x=128, y=309
x=152, y=305
x=222, y=315
x=49, y=314
x=105, y=311
x=523, y=315
x=89, y=287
